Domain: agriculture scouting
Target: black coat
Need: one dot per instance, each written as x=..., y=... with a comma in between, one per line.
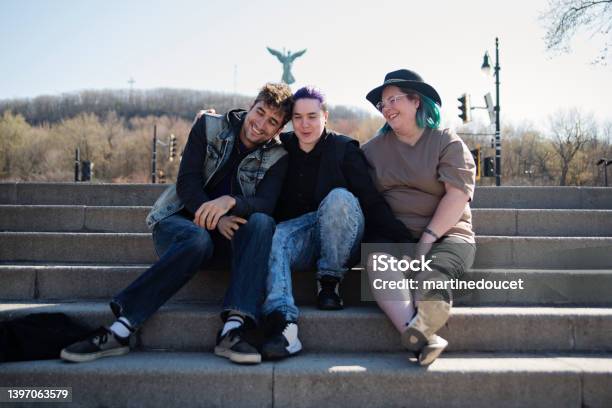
x=343, y=164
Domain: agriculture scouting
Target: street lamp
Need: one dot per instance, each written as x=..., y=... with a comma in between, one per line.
x=486, y=68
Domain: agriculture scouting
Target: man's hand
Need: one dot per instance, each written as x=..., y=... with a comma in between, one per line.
x=209, y=213
x=229, y=224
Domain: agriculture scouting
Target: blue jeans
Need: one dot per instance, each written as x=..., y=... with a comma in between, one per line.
x=184, y=249
x=326, y=239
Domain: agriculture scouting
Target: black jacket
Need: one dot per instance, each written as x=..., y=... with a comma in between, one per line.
x=343, y=164
x=191, y=176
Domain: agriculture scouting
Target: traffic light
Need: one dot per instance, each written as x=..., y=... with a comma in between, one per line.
x=489, y=166
x=476, y=154
x=465, y=108
x=172, y=145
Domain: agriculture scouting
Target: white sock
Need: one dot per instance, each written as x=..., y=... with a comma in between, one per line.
x=291, y=333
x=120, y=327
x=231, y=323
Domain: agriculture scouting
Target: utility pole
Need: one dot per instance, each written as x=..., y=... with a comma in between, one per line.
x=131, y=96
x=154, y=159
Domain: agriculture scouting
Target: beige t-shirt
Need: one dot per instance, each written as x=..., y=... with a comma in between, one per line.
x=411, y=178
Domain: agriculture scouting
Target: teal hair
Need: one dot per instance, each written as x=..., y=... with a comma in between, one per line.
x=427, y=114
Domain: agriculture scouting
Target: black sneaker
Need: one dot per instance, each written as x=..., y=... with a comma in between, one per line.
x=281, y=337
x=234, y=347
x=102, y=343
x=328, y=296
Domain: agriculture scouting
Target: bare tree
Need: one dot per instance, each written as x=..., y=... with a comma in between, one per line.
x=565, y=18
x=571, y=130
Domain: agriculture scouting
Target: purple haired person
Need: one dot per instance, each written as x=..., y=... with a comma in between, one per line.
x=327, y=201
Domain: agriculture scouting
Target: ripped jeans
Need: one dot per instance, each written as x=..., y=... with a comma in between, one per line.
x=326, y=239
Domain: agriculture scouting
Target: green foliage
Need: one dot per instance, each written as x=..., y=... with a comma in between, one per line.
x=120, y=146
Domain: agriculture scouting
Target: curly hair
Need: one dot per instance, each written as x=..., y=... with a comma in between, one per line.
x=277, y=96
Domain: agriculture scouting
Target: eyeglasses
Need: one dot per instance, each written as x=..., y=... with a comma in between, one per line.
x=390, y=101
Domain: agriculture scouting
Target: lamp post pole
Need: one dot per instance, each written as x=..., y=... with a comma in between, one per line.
x=486, y=67
x=497, y=125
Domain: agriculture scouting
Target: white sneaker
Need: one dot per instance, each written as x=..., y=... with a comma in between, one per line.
x=282, y=340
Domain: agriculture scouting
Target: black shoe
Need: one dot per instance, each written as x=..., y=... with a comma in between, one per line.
x=102, y=343
x=328, y=297
x=281, y=337
x=234, y=347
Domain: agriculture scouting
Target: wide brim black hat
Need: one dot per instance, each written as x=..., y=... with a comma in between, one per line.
x=406, y=79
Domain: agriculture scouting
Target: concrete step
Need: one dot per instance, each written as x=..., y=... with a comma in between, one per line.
x=74, y=282
x=146, y=194
x=73, y=218
x=487, y=221
x=80, y=193
x=162, y=379
x=193, y=327
x=550, y=222
x=137, y=248
x=543, y=197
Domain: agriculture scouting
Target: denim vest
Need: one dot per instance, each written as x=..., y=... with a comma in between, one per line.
x=219, y=144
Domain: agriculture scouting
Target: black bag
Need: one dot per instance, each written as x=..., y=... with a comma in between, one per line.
x=39, y=336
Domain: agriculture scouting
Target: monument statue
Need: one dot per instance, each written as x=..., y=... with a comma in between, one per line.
x=287, y=60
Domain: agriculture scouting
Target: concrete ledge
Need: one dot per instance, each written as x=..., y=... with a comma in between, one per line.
x=150, y=379
x=37, y=218
x=566, y=223
x=80, y=193
x=475, y=381
x=8, y=193
x=540, y=286
x=365, y=329
x=18, y=283
x=494, y=221
x=134, y=248
x=543, y=197
x=551, y=223
x=146, y=194
x=124, y=248
x=315, y=380
x=543, y=252
x=131, y=219
x=73, y=218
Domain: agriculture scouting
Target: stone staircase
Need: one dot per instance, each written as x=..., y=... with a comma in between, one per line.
x=69, y=248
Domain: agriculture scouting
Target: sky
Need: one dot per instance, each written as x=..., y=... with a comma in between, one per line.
x=58, y=46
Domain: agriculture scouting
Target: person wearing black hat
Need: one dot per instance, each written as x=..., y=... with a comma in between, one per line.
x=427, y=176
